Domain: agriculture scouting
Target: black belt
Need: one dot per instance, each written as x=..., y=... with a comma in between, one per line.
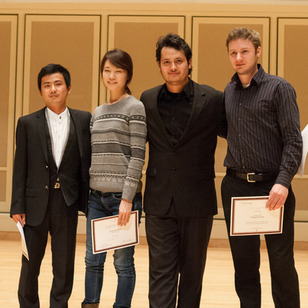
x=252, y=177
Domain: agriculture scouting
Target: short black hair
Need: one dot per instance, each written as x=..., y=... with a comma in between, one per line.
x=52, y=69
x=173, y=41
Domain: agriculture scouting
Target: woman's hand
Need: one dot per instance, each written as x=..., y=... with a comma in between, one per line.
x=125, y=210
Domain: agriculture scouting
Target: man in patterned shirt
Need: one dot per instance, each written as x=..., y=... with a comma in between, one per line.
x=264, y=152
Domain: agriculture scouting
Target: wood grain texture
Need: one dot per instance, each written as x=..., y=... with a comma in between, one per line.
x=218, y=286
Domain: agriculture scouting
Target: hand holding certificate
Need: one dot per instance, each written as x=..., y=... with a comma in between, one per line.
x=108, y=235
x=249, y=216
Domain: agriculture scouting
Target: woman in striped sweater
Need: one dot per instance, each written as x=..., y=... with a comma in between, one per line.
x=118, y=137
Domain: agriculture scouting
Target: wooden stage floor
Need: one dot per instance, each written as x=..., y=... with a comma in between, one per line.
x=218, y=286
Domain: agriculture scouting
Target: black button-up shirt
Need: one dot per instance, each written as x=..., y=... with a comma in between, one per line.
x=175, y=110
x=263, y=127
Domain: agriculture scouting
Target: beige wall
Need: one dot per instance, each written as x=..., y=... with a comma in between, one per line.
x=77, y=35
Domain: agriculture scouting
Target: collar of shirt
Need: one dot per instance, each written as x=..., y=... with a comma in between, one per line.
x=256, y=79
x=57, y=117
x=187, y=92
x=58, y=125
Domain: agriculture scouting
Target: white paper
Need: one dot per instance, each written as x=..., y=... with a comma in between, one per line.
x=24, y=248
x=305, y=150
x=107, y=235
x=249, y=216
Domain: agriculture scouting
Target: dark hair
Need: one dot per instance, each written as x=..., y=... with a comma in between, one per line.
x=52, y=69
x=245, y=34
x=173, y=41
x=121, y=59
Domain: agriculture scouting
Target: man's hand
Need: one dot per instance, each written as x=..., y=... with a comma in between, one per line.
x=20, y=218
x=125, y=210
x=277, y=197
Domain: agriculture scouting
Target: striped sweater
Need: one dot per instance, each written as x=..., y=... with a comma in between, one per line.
x=118, y=137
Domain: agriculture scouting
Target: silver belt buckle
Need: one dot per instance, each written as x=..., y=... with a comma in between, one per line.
x=248, y=179
x=57, y=185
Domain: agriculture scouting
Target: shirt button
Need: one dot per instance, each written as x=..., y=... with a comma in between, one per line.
x=46, y=187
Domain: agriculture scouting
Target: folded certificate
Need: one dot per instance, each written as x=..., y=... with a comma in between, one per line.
x=249, y=216
x=107, y=235
x=24, y=248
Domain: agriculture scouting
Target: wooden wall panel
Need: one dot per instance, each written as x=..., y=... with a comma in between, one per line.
x=72, y=41
x=293, y=66
x=8, y=36
x=3, y=196
x=293, y=61
x=299, y=186
x=5, y=51
x=138, y=35
x=211, y=63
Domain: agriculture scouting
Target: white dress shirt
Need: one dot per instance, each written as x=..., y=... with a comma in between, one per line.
x=58, y=125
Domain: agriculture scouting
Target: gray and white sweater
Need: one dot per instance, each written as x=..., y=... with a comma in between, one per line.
x=118, y=137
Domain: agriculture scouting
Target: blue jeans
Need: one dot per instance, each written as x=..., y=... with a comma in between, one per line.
x=102, y=206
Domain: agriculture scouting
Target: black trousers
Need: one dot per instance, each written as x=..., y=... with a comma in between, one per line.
x=61, y=222
x=246, y=250
x=177, y=255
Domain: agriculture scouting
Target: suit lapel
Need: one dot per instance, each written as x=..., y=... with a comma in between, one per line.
x=41, y=128
x=76, y=122
x=69, y=142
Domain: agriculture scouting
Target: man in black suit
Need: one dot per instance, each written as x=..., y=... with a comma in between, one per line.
x=50, y=185
x=183, y=120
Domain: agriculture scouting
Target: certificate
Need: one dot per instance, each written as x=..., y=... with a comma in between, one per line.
x=24, y=248
x=107, y=235
x=249, y=216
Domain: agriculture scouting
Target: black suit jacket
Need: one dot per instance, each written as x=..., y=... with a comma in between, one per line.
x=31, y=174
x=184, y=172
